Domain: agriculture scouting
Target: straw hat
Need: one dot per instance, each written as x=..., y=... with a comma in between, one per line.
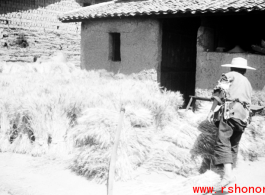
x=239, y=63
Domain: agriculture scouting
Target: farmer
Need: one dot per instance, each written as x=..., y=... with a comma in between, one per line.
x=232, y=96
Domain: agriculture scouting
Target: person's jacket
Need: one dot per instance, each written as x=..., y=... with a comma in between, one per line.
x=234, y=91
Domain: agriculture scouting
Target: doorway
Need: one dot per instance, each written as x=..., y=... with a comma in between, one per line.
x=179, y=43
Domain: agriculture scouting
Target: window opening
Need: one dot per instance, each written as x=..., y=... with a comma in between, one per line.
x=115, y=46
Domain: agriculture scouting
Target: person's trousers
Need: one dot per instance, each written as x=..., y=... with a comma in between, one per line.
x=227, y=141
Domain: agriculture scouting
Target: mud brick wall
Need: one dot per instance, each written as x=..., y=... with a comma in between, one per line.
x=140, y=45
x=30, y=28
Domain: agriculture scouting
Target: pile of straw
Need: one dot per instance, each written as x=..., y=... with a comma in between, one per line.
x=54, y=108
x=147, y=111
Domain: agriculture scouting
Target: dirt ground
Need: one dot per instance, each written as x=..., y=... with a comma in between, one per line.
x=26, y=175
x=249, y=174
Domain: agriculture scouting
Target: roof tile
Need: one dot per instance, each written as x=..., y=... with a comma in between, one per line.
x=161, y=7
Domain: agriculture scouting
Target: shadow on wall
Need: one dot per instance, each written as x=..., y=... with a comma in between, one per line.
x=90, y=2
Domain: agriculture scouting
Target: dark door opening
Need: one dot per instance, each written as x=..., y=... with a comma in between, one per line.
x=179, y=43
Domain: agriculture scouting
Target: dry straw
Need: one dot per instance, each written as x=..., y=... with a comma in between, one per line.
x=75, y=112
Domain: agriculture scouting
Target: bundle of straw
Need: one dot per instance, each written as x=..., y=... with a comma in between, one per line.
x=70, y=111
x=94, y=136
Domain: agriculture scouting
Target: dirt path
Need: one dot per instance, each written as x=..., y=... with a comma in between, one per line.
x=26, y=175
x=249, y=174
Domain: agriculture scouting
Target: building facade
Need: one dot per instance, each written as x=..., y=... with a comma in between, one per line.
x=185, y=42
x=120, y=45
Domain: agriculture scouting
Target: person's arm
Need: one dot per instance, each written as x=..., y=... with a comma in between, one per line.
x=210, y=115
x=218, y=96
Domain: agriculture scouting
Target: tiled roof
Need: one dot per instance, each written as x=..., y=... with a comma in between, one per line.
x=161, y=7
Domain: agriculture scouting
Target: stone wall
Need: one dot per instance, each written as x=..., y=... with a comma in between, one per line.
x=30, y=28
x=140, y=45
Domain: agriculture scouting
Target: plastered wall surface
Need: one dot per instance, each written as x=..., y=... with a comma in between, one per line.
x=29, y=28
x=140, y=45
x=209, y=68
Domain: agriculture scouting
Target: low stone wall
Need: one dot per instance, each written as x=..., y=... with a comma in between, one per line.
x=31, y=28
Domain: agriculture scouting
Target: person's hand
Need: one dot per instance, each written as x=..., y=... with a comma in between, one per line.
x=210, y=117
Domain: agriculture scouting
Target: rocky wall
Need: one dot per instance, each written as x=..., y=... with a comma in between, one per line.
x=140, y=45
x=30, y=28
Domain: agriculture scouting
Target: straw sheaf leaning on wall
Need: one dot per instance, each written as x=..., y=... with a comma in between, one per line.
x=70, y=112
